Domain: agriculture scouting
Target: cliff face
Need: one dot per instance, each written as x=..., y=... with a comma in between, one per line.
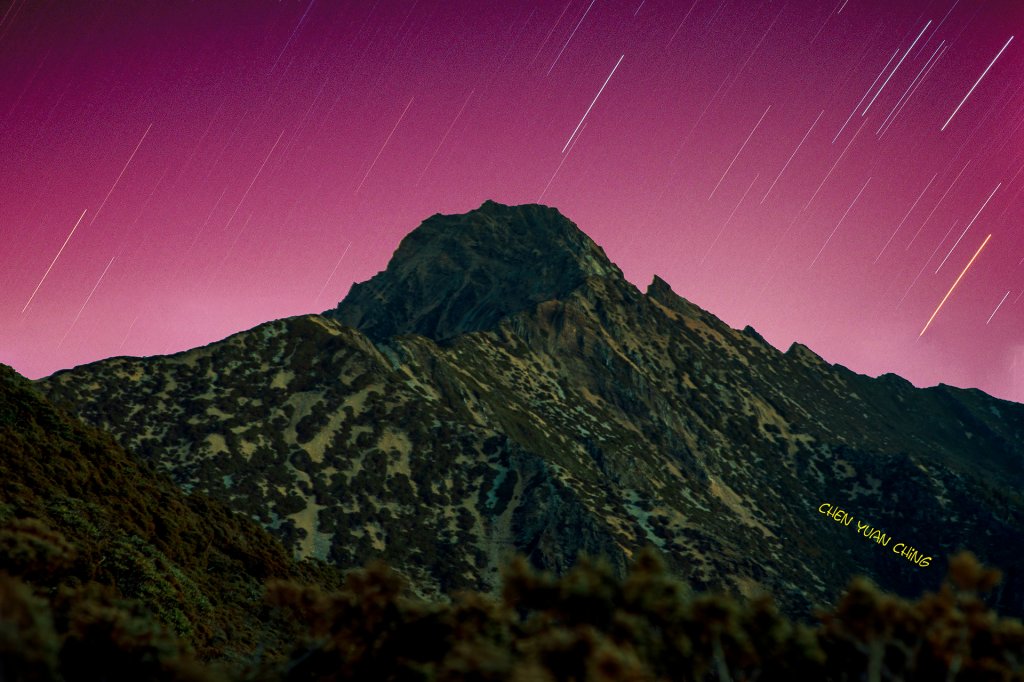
x=501, y=387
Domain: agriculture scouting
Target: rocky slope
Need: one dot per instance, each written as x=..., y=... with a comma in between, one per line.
x=501, y=387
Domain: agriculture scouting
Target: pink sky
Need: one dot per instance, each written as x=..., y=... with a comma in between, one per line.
x=226, y=154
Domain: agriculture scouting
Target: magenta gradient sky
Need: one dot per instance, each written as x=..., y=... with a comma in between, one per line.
x=265, y=159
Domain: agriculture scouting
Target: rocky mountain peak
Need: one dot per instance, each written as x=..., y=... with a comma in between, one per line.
x=804, y=354
x=461, y=273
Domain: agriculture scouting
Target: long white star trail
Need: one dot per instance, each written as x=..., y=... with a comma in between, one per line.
x=953, y=288
x=983, y=73
x=114, y=186
x=896, y=68
x=739, y=151
x=998, y=306
x=87, y=299
x=912, y=207
x=59, y=251
x=386, y=140
x=968, y=227
x=786, y=165
x=592, y=103
x=836, y=228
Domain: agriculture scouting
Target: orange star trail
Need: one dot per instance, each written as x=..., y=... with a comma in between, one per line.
x=948, y=293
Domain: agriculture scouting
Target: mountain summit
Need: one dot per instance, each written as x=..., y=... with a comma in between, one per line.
x=501, y=388
x=463, y=273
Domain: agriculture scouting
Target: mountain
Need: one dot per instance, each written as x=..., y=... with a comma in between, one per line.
x=109, y=572
x=131, y=577
x=500, y=387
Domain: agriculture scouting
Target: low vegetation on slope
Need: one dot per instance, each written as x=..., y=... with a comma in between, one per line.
x=109, y=572
x=588, y=625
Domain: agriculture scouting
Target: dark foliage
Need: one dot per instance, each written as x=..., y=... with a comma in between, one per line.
x=590, y=625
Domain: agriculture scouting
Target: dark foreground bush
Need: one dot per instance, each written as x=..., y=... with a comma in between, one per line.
x=587, y=625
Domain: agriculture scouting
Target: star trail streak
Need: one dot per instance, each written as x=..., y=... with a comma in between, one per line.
x=569, y=39
x=937, y=204
x=910, y=90
x=998, y=306
x=728, y=220
x=836, y=228
x=565, y=157
x=445, y=136
x=955, y=283
x=59, y=251
x=968, y=227
x=864, y=96
x=87, y=299
x=925, y=266
x=983, y=74
x=834, y=165
x=895, y=69
x=119, y=175
x=254, y=178
x=386, y=140
x=587, y=112
x=909, y=211
x=786, y=165
x=331, y=276
x=738, y=152
x=899, y=109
